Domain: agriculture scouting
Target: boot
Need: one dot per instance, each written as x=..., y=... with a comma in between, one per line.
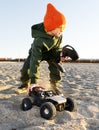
x=24, y=85
x=55, y=89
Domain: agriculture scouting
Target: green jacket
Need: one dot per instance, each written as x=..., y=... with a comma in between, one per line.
x=44, y=47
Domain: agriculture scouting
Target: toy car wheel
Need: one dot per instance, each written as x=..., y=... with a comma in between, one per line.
x=26, y=104
x=47, y=110
x=70, y=105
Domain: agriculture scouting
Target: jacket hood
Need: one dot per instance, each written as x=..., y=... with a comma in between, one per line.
x=39, y=31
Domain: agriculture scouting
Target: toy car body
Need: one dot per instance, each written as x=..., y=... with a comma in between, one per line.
x=48, y=102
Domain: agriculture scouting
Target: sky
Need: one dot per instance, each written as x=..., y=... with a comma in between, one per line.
x=17, y=17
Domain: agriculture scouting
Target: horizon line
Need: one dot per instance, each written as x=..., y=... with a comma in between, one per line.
x=70, y=61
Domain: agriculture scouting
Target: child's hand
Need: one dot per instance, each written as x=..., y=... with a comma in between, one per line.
x=31, y=87
x=63, y=58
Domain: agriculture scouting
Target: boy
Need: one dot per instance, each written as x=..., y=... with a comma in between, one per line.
x=46, y=46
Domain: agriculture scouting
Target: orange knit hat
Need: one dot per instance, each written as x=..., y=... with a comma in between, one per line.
x=53, y=18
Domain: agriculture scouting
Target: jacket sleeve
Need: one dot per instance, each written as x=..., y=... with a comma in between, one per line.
x=36, y=57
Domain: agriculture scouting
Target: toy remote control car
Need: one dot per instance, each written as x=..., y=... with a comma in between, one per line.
x=48, y=102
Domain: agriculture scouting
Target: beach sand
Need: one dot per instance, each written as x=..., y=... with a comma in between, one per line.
x=80, y=82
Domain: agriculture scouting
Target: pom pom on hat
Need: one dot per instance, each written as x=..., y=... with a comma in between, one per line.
x=53, y=18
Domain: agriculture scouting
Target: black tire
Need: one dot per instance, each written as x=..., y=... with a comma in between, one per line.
x=26, y=104
x=70, y=105
x=48, y=110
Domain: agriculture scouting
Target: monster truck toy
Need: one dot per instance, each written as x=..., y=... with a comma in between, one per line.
x=48, y=102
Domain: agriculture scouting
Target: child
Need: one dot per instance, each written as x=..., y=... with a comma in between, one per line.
x=46, y=46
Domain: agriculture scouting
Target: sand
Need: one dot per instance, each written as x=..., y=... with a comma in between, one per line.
x=80, y=82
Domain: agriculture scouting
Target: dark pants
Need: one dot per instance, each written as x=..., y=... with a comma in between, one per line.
x=55, y=75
